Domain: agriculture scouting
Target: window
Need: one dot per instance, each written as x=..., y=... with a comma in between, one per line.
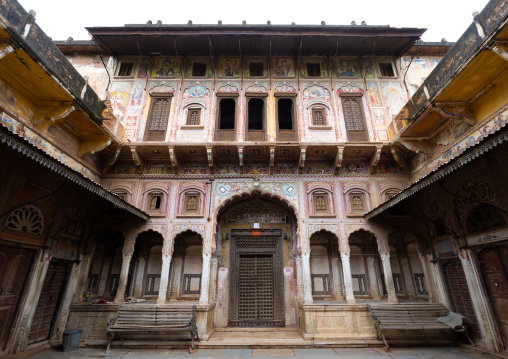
x=390, y=193
x=320, y=200
x=256, y=69
x=158, y=117
x=313, y=69
x=199, y=69
x=256, y=109
x=318, y=117
x=193, y=117
x=155, y=203
x=227, y=114
x=353, y=116
x=386, y=69
x=125, y=68
x=357, y=203
x=285, y=113
x=191, y=203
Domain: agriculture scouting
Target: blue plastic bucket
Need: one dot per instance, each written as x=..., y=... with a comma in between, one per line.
x=71, y=339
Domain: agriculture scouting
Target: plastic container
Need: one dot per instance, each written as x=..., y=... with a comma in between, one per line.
x=71, y=339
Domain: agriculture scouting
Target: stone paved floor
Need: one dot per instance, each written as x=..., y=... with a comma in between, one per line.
x=344, y=353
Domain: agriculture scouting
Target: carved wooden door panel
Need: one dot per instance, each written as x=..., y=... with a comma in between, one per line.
x=255, y=288
x=49, y=302
x=494, y=263
x=256, y=284
x=459, y=292
x=14, y=267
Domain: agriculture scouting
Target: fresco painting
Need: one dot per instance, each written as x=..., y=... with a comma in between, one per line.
x=229, y=67
x=373, y=92
x=393, y=96
x=284, y=67
x=166, y=67
x=346, y=68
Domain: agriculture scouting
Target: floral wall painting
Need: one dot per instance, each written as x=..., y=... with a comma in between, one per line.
x=144, y=66
x=346, y=68
x=166, y=67
x=373, y=91
x=284, y=67
x=368, y=68
x=229, y=67
x=379, y=116
x=394, y=97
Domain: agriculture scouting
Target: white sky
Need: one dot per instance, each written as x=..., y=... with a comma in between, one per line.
x=443, y=18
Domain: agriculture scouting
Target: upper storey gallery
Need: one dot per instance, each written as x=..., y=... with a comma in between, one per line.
x=261, y=83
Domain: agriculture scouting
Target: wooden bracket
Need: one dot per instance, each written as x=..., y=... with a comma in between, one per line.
x=173, y=159
x=138, y=160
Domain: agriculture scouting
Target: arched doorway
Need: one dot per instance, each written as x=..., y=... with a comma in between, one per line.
x=256, y=262
x=325, y=266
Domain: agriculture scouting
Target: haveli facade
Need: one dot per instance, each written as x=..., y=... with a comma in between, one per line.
x=275, y=176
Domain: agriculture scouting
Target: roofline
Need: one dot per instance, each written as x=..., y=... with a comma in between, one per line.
x=491, y=142
x=485, y=26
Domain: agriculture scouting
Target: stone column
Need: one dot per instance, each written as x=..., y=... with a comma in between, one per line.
x=387, y=269
x=127, y=251
x=348, y=279
x=213, y=279
x=374, y=285
x=107, y=262
x=138, y=277
x=205, y=279
x=299, y=276
x=337, y=288
x=82, y=285
x=122, y=282
x=408, y=277
x=175, y=279
x=163, y=287
x=307, y=285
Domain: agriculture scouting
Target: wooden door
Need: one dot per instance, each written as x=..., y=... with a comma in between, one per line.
x=49, y=303
x=494, y=263
x=459, y=293
x=14, y=268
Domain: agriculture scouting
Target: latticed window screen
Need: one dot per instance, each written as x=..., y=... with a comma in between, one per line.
x=353, y=113
x=318, y=118
x=193, y=117
x=160, y=114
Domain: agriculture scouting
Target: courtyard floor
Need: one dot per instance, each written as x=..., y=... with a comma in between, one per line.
x=344, y=353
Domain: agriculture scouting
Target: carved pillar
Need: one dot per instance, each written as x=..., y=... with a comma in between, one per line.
x=175, y=279
x=307, y=286
x=408, y=277
x=213, y=279
x=107, y=262
x=348, y=279
x=127, y=251
x=138, y=277
x=163, y=288
x=205, y=279
x=337, y=288
x=387, y=269
x=427, y=275
x=122, y=282
x=299, y=278
x=374, y=285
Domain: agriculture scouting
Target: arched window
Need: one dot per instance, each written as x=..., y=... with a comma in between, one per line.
x=484, y=218
x=27, y=219
x=155, y=202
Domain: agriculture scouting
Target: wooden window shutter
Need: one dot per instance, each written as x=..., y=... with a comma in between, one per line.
x=158, y=119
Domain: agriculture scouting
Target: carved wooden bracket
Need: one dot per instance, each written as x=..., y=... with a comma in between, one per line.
x=173, y=159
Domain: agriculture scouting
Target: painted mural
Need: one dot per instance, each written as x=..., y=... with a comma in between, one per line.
x=373, y=92
x=345, y=68
x=393, y=96
x=118, y=95
x=144, y=67
x=368, y=68
x=284, y=67
x=166, y=67
x=229, y=67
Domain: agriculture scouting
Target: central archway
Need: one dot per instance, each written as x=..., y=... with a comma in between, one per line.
x=256, y=248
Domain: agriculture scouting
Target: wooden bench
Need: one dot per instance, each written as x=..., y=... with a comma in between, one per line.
x=134, y=318
x=411, y=317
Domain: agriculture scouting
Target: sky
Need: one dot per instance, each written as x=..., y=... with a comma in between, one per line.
x=448, y=19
